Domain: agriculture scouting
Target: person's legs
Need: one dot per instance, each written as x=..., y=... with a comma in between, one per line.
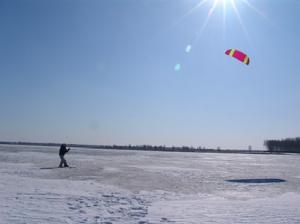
x=65, y=162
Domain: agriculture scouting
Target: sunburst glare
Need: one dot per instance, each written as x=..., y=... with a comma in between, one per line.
x=224, y=6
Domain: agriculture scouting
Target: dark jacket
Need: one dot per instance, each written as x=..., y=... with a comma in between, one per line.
x=63, y=150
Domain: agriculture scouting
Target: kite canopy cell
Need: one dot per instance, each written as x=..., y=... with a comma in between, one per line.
x=238, y=55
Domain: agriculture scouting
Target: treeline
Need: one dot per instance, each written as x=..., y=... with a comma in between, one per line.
x=142, y=147
x=156, y=148
x=285, y=145
x=119, y=147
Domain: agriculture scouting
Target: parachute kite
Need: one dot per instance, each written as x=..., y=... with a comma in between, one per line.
x=238, y=55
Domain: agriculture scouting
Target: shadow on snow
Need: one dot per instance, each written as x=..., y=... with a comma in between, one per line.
x=257, y=181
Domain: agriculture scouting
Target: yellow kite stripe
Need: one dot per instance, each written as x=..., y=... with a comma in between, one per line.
x=231, y=52
x=246, y=60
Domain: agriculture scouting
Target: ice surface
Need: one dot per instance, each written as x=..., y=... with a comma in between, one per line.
x=146, y=187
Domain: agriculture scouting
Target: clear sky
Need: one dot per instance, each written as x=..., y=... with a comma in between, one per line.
x=149, y=71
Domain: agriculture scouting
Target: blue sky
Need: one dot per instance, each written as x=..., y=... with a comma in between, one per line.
x=102, y=72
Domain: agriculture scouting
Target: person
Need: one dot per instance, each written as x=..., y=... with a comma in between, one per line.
x=62, y=151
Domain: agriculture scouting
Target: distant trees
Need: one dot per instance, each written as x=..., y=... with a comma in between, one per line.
x=284, y=145
x=144, y=147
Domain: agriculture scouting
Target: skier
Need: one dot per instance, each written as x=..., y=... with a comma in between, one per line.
x=62, y=151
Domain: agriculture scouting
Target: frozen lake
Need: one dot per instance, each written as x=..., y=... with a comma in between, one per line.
x=147, y=187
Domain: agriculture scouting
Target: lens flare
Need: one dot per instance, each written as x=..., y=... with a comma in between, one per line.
x=177, y=67
x=188, y=48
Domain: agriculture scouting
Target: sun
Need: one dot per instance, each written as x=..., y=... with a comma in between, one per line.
x=224, y=6
x=222, y=1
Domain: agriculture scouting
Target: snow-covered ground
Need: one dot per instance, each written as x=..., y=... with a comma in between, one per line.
x=146, y=187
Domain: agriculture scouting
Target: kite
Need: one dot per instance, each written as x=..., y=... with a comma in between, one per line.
x=238, y=55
